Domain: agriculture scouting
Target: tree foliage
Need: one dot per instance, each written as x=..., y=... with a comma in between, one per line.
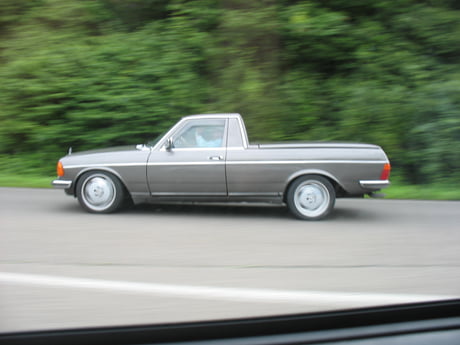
x=92, y=73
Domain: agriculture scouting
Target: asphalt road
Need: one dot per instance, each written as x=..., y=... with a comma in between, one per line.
x=61, y=267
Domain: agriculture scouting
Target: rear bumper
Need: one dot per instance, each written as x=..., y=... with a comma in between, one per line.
x=62, y=184
x=374, y=184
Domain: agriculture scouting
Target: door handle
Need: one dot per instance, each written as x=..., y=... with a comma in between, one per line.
x=216, y=158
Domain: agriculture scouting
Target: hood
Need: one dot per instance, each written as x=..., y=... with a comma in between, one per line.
x=106, y=150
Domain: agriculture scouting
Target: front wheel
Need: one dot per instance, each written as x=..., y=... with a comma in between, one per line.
x=100, y=192
x=311, y=197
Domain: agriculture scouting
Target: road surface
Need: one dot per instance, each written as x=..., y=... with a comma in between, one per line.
x=61, y=267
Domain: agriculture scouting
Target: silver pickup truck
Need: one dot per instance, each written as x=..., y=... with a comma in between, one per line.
x=208, y=158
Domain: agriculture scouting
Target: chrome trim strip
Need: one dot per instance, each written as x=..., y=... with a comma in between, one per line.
x=185, y=149
x=187, y=194
x=62, y=184
x=274, y=194
x=103, y=165
x=304, y=162
x=209, y=162
x=374, y=183
x=264, y=162
x=249, y=194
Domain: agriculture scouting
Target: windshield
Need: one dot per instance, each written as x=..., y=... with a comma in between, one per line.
x=155, y=141
x=208, y=227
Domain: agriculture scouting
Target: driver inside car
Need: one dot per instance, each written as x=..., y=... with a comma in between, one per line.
x=209, y=137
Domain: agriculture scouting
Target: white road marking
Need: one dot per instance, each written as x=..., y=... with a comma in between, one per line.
x=218, y=293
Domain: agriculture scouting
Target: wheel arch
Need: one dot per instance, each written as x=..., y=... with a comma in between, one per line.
x=292, y=178
x=95, y=170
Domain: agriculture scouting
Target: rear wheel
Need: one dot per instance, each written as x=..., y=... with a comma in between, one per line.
x=311, y=197
x=100, y=192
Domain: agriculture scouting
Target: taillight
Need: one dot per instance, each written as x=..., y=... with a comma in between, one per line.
x=60, y=169
x=386, y=171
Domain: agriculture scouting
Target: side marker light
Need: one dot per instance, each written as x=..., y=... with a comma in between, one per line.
x=60, y=169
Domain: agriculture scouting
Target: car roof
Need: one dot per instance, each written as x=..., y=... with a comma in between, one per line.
x=207, y=116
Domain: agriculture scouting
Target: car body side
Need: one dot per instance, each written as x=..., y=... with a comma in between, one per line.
x=236, y=171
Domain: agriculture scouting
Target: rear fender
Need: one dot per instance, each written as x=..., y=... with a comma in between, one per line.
x=319, y=172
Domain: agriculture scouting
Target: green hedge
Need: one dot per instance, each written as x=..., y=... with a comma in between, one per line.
x=97, y=73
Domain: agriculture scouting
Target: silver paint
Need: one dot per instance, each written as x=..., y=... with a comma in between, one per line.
x=238, y=172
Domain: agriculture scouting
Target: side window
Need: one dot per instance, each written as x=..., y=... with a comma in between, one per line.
x=202, y=133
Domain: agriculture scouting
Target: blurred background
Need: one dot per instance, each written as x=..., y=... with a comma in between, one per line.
x=98, y=73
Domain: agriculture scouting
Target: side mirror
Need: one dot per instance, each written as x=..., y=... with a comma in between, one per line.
x=169, y=144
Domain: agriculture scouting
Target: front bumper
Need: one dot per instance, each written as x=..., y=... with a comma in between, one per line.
x=374, y=184
x=62, y=184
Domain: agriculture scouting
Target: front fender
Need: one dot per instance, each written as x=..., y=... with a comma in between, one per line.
x=93, y=169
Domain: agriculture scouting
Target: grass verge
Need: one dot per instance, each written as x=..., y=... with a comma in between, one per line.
x=421, y=192
x=25, y=181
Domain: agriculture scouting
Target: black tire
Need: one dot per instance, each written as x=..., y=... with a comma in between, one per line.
x=311, y=197
x=100, y=192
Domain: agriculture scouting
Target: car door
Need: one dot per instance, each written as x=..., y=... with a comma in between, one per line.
x=193, y=164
